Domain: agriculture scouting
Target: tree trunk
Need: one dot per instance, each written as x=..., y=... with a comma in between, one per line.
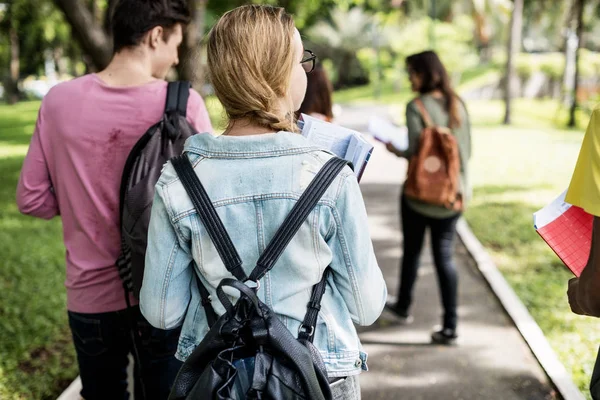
x=570, y=51
x=190, y=66
x=513, y=47
x=579, y=32
x=93, y=39
x=482, y=35
x=432, y=25
x=95, y=11
x=344, y=71
x=12, y=92
x=110, y=7
x=59, y=59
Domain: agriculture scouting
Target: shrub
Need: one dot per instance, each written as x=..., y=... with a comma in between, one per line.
x=552, y=65
x=525, y=66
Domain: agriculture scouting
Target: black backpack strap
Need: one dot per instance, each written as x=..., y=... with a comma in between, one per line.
x=297, y=216
x=211, y=315
x=208, y=215
x=307, y=328
x=177, y=97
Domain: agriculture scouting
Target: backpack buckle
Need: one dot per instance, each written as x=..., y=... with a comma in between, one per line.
x=305, y=329
x=254, y=285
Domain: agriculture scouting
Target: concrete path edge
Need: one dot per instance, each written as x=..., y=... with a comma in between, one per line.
x=72, y=392
x=517, y=311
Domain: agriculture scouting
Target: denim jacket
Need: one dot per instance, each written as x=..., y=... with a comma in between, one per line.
x=253, y=182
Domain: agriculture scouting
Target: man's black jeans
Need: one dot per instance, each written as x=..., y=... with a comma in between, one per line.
x=103, y=342
x=443, y=232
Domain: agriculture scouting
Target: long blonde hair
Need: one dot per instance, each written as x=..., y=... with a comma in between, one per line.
x=250, y=60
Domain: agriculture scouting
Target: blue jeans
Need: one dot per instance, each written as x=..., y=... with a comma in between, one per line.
x=103, y=342
x=443, y=233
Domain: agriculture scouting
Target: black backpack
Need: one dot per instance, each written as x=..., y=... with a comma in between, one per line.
x=248, y=353
x=143, y=167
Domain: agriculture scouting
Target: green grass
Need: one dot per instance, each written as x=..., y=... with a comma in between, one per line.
x=516, y=171
x=37, y=358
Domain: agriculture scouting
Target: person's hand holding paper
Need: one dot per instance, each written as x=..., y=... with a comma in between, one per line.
x=389, y=134
x=343, y=142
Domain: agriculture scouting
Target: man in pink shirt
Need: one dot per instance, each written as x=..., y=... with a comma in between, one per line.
x=84, y=133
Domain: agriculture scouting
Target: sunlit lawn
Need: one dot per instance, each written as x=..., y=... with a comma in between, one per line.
x=515, y=172
x=36, y=355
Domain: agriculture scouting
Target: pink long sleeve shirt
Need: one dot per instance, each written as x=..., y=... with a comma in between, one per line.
x=84, y=133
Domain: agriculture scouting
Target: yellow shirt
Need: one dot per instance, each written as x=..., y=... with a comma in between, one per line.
x=584, y=190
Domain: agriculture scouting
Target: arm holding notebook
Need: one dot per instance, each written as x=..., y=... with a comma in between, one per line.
x=584, y=192
x=414, y=124
x=584, y=292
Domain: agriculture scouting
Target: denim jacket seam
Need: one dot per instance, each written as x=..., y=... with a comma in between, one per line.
x=197, y=311
x=342, y=373
x=331, y=229
x=261, y=247
x=331, y=347
x=341, y=184
x=165, y=288
x=340, y=355
x=245, y=199
x=348, y=262
x=184, y=214
x=200, y=263
x=176, y=244
x=250, y=154
x=260, y=225
x=170, y=213
x=195, y=161
x=315, y=236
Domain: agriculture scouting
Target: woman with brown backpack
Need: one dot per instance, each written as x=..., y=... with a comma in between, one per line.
x=436, y=187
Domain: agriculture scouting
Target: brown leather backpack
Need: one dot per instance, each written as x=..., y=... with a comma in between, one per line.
x=433, y=173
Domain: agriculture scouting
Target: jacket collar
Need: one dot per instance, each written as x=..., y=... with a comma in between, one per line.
x=254, y=146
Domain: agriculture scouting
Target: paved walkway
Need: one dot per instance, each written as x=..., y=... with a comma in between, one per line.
x=491, y=360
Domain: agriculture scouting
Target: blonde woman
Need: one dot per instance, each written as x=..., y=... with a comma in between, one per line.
x=254, y=173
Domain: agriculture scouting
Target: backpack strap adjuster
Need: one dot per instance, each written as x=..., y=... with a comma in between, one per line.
x=206, y=301
x=315, y=305
x=308, y=331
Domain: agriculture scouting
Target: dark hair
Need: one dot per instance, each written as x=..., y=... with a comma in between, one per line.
x=434, y=77
x=132, y=19
x=318, y=94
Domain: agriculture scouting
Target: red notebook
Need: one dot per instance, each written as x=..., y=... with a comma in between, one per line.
x=568, y=231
